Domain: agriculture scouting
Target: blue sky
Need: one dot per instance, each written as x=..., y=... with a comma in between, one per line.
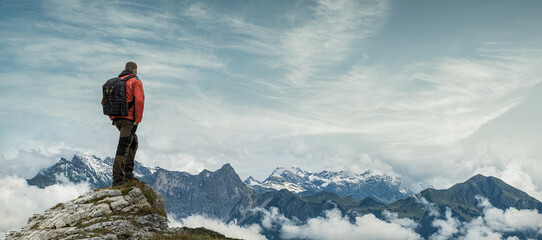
x=433, y=91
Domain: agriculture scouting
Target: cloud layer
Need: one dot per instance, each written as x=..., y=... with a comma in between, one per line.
x=336, y=226
x=333, y=225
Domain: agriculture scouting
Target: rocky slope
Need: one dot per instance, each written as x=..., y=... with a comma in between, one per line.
x=131, y=211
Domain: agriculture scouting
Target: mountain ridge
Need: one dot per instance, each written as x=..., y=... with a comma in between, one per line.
x=384, y=187
x=223, y=195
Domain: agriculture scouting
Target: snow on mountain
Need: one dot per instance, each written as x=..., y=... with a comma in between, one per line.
x=382, y=187
x=101, y=169
x=98, y=173
x=83, y=167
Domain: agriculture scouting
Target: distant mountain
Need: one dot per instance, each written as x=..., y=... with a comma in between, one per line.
x=219, y=194
x=83, y=168
x=461, y=200
x=222, y=194
x=381, y=187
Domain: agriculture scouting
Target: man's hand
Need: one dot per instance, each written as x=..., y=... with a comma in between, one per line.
x=135, y=123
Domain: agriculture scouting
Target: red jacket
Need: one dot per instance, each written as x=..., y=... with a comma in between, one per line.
x=134, y=89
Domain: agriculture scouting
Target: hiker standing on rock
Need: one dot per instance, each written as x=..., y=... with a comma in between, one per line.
x=123, y=101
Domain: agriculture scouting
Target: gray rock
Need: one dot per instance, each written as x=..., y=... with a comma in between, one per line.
x=100, y=214
x=118, y=203
x=104, y=207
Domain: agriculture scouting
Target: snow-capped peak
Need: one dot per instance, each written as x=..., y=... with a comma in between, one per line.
x=343, y=183
x=293, y=170
x=84, y=155
x=93, y=162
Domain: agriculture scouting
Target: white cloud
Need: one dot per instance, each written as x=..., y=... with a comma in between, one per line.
x=446, y=227
x=511, y=219
x=493, y=224
x=336, y=226
x=27, y=163
x=273, y=219
x=428, y=206
x=403, y=222
x=477, y=230
x=228, y=229
x=178, y=162
x=19, y=201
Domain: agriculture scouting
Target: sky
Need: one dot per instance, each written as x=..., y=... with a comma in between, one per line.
x=431, y=91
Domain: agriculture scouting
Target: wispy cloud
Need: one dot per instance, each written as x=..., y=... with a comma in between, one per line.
x=426, y=104
x=313, y=49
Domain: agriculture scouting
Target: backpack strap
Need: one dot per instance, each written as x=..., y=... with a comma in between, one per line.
x=131, y=103
x=128, y=78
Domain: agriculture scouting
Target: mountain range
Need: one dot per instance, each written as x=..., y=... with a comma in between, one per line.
x=381, y=187
x=297, y=194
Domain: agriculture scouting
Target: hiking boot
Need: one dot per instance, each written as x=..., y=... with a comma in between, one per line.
x=130, y=177
x=117, y=183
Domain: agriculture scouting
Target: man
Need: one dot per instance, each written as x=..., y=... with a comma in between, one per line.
x=123, y=166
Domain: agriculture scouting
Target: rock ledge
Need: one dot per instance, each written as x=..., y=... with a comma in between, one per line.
x=131, y=211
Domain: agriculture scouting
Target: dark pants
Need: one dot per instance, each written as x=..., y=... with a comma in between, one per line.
x=123, y=165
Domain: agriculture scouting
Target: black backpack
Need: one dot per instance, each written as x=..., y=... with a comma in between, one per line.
x=114, y=97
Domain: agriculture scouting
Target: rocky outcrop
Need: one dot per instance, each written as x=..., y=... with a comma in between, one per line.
x=131, y=211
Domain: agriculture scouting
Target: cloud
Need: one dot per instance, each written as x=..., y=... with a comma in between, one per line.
x=423, y=104
x=493, y=224
x=27, y=163
x=328, y=38
x=336, y=226
x=447, y=227
x=511, y=219
x=428, y=206
x=273, y=219
x=403, y=222
x=228, y=229
x=233, y=32
x=479, y=231
x=19, y=201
